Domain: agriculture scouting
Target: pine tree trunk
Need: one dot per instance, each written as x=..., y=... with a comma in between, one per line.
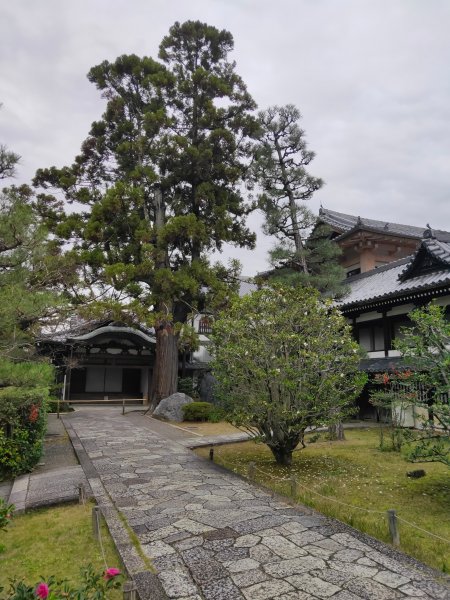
x=165, y=371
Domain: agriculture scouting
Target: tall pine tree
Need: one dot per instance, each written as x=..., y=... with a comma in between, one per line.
x=280, y=170
x=157, y=183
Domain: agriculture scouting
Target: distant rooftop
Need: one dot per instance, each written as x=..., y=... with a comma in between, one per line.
x=428, y=269
x=344, y=223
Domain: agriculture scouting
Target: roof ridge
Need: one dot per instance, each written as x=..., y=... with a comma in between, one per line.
x=356, y=219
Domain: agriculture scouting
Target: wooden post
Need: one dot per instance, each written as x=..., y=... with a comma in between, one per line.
x=63, y=393
x=129, y=590
x=393, y=527
x=96, y=522
x=211, y=454
x=251, y=470
x=293, y=486
x=123, y=406
x=81, y=494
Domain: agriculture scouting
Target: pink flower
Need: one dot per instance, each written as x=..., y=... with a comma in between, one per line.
x=42, y=590
x=111, y=572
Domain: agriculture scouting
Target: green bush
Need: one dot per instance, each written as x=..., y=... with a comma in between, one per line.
x=23, y=418
x=186, y=386
x=216, y=415
x=52, y=406
x=197, y=411
x=24, y=393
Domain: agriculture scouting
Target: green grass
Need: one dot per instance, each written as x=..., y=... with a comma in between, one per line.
x=357, y=473
x=54, y=541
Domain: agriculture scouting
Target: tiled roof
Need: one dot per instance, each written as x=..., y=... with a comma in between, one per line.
x=344, y=223
x=384, y=283
x=430, y=249
x=82, y=330
x=440, y=250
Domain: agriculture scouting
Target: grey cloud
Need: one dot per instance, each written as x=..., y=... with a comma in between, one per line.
x=371, y=79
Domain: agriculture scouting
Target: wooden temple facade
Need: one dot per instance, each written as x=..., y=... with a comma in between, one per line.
x=391, y=270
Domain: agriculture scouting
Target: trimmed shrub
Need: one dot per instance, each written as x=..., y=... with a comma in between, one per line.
x=197, y=411
x=186, y=386
x=24, y=392
x=23, y=419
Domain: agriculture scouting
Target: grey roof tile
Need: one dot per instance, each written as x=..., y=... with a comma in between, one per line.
x=430, y=248
x=345, y=223
x=384, y=283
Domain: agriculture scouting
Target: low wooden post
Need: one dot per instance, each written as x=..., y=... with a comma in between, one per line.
x=96, y=522
x=129, y=590
x=123, y=406
x=81, y=494
x=393, y=527
x=211, y=454
x=251, y=470
x=293, y=486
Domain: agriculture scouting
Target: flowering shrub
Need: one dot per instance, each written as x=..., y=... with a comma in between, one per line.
x=93, y=586
x=24, y=391
x=284, y=362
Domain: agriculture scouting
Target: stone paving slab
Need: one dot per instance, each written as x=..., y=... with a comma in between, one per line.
x=211, y=535
x=45, y=489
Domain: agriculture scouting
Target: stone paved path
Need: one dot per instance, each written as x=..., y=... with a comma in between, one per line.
x=213, y=536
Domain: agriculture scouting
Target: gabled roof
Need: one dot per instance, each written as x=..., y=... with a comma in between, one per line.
x=425, y=273
x=79, y=331
x=343, y=224
x=432, y=255
x=119, y=331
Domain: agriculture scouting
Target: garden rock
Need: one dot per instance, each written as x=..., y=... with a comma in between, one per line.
x=171, y=408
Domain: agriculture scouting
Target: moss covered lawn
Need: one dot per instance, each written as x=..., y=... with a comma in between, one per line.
x=54, y=541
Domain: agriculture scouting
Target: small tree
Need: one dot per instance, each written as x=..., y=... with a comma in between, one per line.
x=424, y=388
x=285, y=361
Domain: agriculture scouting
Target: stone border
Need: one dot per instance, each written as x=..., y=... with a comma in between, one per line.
x=147, y=583
x=18, y=493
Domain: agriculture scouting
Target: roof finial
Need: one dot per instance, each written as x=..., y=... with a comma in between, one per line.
x=359, y=220
x=428, y=233
x=321, y=211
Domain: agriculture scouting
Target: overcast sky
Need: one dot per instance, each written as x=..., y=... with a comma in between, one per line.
x=371, y=78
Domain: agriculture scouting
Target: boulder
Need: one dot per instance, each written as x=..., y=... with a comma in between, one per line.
x=171, y=408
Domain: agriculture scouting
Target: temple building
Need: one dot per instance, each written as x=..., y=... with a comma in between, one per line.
x=391, y=269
